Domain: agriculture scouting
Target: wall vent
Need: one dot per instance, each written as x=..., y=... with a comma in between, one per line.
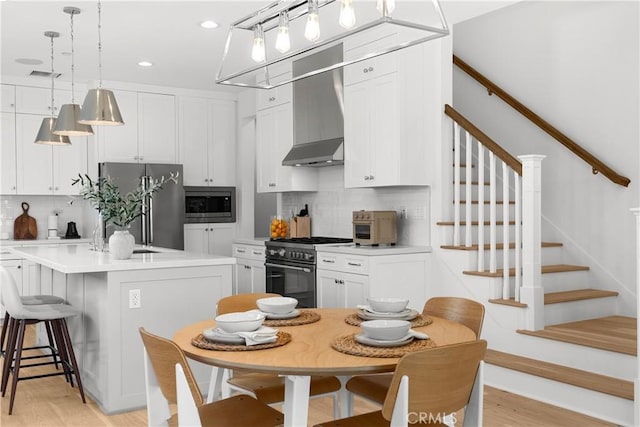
x=36, y=73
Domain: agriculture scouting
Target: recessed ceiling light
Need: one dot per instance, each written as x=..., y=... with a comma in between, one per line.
x=209, y=24
x=145, y=64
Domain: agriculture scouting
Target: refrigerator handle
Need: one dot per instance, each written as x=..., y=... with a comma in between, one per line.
x=151, y=219
x=144, y=213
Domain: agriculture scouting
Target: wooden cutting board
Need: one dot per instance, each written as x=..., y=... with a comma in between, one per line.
x=25, y=227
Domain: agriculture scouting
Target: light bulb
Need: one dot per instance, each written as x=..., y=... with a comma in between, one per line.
x=283, y=42
x=390, y=5
x=347, y=14
x=312, y=30
x=258, y=52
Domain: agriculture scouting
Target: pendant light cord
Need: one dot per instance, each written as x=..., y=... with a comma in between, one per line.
x=99, y=44
x=73, y=94
x=53, y=77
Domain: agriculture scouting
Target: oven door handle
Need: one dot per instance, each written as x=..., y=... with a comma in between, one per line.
x=289, y=267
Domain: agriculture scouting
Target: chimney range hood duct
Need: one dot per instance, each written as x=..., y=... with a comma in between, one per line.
x=318, y=118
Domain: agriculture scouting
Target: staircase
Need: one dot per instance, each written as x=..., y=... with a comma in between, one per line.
x=581, y=355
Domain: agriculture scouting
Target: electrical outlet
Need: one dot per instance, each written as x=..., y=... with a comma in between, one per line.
x=403, y=213
x=134, y=298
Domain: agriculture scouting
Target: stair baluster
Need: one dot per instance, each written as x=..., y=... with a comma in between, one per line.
x=492, y=213
x=456, y=184
x=468, y=210
x=480, y=203
x=505, y=232
x=518, y=235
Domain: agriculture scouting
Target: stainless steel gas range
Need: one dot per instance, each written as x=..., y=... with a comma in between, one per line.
x=291, y=267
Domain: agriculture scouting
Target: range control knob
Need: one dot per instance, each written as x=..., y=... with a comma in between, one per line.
x=272, y=252
x=281, y=252
x=308, y=257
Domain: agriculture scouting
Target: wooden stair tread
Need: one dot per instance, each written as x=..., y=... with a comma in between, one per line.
x=577, y=295
x=510, y=302
x=579, y=378
x=473, y=223
x=612, y=333
x=499, y=246
x=552, y=268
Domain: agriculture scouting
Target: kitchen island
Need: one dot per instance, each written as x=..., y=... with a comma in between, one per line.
x=162, y=290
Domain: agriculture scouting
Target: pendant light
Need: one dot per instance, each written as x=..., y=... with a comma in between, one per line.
x=347, y=17
x=67, y=122
x=45, y=134
x=258, y=53
x=283, y=41
x=385, y=7
x=312, y=29
x=100, y=107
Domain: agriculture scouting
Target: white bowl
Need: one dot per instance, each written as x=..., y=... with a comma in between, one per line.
x=388, y=305
x=240, y=322
x=385, y=330
x=277, y=305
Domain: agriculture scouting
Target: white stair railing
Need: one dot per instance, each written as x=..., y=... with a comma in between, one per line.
x=520, y=188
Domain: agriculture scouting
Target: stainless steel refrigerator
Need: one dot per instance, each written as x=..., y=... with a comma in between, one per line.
x=162, y=224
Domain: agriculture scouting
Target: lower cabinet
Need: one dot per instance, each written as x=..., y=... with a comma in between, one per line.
x=26, y=275
x=250, y=273
x=341, y=290
x=348, y=279
x=208, y=238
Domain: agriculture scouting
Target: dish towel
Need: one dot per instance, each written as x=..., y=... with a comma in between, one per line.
x=263, y=335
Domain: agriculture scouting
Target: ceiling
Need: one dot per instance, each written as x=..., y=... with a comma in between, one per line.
x=166, y=33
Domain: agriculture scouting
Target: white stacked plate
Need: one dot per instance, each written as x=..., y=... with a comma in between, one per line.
x=369, y=314
x=218, y=335
x=279, y=316
x=363, y=339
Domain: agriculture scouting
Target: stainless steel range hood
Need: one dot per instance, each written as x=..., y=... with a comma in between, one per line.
x=318, y=106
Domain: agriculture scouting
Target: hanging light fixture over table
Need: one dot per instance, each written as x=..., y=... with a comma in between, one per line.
x=287, y=30
x=67, y=122
x=100, y=107
x=45, y=134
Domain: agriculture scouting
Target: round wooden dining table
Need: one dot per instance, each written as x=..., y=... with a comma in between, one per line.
x=310, y=353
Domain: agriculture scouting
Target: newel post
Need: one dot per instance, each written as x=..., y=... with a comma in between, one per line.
x=636, y=388
x=532, y=292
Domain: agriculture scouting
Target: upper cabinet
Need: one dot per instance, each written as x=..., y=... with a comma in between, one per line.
x=392, y=115
x=208, y=141
x=7, y=99
x=149, y=134
x=45, y=169
x=274, y=138
x=37, y=100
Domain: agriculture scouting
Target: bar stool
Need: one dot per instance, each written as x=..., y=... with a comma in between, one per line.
x=20, y=316
x=32, y=300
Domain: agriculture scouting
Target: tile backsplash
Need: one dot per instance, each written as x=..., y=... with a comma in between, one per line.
x=331, y=207
x=68, y=208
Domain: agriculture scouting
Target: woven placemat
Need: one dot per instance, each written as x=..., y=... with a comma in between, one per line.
x=355, y=320
x=201, y=342
x=304, y=318
x=348, y=344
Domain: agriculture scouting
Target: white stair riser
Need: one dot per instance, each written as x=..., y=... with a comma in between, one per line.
x=599, y=405
x=579, y=310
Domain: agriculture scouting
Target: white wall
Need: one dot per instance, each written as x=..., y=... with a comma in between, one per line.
x=332, y=205
x=576, y=65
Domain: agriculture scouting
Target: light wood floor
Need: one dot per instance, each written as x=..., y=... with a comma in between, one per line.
x=51, y=402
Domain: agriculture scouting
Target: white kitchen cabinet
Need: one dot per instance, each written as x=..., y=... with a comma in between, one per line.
x=30, y=278
x=37, y=100
x=392, y=117
x=341, y=290
x=209, y=238
x=7, y=98
x=348, y=279
x=208, y=141
x=250, y=272
x=149, y=132
x=8, y=172
x=45, y=169
x=267, y=98
x=274, y=139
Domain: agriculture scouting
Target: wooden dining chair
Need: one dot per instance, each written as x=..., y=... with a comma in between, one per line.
x=161, y=357
x=426, y=386
x=269, y=388
x=461, y=310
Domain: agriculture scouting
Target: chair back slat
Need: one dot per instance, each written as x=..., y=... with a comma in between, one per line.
x=461, y=310
x=164, y=354
x=440, y=379
x=241, y=302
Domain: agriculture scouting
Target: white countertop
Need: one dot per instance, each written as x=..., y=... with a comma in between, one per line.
x=258, y=241
x=80, y=259
x=351, y=248
x=31, y=242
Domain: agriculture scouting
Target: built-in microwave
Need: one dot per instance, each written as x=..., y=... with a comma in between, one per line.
x=209, y=204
